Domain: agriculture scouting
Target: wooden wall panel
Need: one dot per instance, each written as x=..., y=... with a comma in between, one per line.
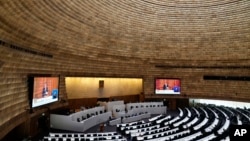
x=14, y=97
x=127, y=98
x=75, y=104
x=88, y=87
x=82, y=102
x=193, y=84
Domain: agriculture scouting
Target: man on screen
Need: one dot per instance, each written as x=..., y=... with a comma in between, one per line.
x=165, y=86
x=45, y=90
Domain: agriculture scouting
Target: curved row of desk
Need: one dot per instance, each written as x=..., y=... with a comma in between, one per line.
x=207, y=122
x=203, y=123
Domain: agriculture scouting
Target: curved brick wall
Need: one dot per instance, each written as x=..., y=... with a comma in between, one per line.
x=123, y=39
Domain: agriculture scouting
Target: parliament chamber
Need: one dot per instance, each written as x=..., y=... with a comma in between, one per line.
x=124, y=70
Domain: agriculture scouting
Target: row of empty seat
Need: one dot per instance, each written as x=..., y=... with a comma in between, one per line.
x=108, y=136
x=129, y=109
x=80, y=121
x=195, y=123
x=207, y=122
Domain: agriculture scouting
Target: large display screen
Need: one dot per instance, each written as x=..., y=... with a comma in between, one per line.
x=167, y=86
x=45, y=90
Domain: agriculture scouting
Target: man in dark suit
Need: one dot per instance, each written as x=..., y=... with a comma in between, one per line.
x=165, y=86
x=45, y=90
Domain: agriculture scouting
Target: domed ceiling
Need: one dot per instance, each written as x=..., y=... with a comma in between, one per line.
x=148, y=29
